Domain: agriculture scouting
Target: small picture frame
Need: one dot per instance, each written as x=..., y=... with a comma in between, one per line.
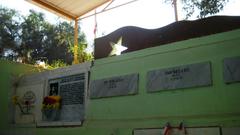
x=53, y=90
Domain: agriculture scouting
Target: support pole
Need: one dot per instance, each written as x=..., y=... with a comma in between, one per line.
x=175, y=10
x=76, y=43
x=95, y=25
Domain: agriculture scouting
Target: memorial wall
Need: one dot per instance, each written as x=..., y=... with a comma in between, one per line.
x=51, y=98
x=188, y=87
x=187, y=82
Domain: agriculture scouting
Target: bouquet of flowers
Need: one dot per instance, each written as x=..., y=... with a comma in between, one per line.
x=51, y=108
x=51, y=102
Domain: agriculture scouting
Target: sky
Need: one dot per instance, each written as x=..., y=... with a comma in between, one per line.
x=148, y=14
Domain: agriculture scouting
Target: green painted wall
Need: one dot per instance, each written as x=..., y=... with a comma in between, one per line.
x=216, y=105
x=9, y=69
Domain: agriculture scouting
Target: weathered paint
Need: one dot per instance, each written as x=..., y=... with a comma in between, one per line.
x=215, y=105
x=9, y=70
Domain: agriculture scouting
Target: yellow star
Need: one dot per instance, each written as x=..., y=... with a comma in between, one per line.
x=117, y=48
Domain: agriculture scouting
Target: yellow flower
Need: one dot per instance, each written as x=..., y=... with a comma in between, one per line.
x=15, y=100
x=56, y=105
x=49, y=106
x=56, y=98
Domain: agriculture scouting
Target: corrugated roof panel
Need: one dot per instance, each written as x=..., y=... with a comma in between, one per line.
x=71, y=9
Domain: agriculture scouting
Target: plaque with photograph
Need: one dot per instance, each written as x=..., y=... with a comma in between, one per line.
x=71, y=91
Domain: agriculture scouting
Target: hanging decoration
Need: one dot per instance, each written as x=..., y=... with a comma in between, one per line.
x=168, y=128
x=182, y=128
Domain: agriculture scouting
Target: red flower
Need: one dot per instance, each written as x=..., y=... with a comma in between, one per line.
x=49, y=100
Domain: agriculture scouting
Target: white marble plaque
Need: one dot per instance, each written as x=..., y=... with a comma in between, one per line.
x=231, y=70
x=186, y=76
x=114, y=86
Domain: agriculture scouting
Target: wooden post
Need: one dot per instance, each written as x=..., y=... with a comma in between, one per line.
x=175, y=10
x=75, y=61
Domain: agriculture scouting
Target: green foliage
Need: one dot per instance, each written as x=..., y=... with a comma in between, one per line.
x=57, y=64
x=9, y=29
x=204, y=7
x=57, y=42
x=30, y=39
x=83, y=55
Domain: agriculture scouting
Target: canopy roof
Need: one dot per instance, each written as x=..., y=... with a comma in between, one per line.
x=70, y=9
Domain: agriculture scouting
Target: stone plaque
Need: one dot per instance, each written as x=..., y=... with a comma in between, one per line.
x=114, y=86
x=230, y=130
x=72, y=93
x=186, y=76
x=231, y=69
x=71, y=89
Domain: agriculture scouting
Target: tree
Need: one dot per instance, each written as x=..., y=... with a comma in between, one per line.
x=41, y=40
x=62, y=44
x=57, y=43
x=32, y=36
x=9, y=30
x=31, y=39
x=83, y=55
x=205, y=7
